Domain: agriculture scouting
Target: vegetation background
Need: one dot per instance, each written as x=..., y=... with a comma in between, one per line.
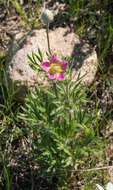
x=20, y=166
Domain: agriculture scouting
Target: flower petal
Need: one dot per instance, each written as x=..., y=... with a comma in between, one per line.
x=50, y=76
x=64, y=65
x=60, y=76
x=53, y=59
x=45, y=65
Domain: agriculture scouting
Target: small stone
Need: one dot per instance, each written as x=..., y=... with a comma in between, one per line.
x=62, y=43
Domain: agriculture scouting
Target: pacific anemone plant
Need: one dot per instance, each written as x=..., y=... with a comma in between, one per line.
x=59, y=124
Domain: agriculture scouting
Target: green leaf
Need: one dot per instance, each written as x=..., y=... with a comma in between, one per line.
x=19, y=10
x=41, y=56
x=56, y=111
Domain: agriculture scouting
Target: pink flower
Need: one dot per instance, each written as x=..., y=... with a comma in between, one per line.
x=55, y=68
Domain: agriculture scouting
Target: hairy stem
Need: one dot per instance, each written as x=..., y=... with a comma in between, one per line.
x=48, y=42
x=55, y=89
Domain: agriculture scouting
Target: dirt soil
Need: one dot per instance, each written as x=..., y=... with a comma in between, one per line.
x=23, y=169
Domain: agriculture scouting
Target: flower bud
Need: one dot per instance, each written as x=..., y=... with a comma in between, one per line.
x=47, y=16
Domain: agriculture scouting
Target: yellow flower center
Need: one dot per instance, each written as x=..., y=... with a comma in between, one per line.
x=55, y=68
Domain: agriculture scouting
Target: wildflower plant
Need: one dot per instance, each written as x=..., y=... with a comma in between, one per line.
x=57, y=118
x=58, y=121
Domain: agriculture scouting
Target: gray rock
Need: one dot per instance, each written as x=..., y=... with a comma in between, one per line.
x=63, y=43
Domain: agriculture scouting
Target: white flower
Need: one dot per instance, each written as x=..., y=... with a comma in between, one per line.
x=108, y=187
x=47, y=16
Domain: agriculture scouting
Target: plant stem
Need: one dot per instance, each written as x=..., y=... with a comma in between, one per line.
x=48, y=42
x=55, y=89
